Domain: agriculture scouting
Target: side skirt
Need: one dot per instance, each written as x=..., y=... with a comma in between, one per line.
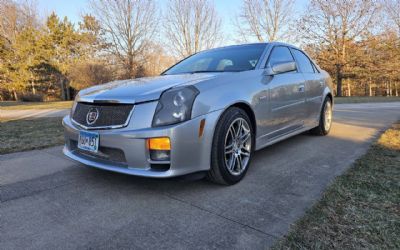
x=282, y=137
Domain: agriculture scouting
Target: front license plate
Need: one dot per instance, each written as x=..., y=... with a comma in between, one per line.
x=88, y=141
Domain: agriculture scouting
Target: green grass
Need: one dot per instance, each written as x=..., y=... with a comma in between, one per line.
x=35, y=105
x=22, y=135
x=361, y=209
x=366, y=99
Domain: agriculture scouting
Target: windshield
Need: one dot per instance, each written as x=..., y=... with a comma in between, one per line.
x=231, y=59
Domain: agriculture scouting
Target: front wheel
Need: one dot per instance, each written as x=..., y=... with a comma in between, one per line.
x=232, y=147
x=325, y=119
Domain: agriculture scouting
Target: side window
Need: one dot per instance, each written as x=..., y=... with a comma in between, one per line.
x=305, y=64
x=279, y=54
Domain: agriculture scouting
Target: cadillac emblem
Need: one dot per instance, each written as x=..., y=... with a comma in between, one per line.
x=92, y=116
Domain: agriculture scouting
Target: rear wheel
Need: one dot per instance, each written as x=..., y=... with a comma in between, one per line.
x=232, y=147
x=325, y=119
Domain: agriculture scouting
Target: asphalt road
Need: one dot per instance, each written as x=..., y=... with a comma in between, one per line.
x=49, y=202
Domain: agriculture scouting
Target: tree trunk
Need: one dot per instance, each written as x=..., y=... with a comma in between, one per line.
x=348, y=88
x=365, y=88
x=33, y=85
x=131, y=66
x=62, y=86
x=370, y=89
x=338, y=80
x=395, y=89
x=370, y=86
x=15, y=95
x=387, y=88
x=33, y=88
x=68, y=93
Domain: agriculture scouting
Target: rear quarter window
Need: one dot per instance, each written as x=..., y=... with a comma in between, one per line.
x=304, y=63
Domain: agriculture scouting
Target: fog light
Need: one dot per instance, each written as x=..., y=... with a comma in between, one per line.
x=159, y=148
x=160, y=155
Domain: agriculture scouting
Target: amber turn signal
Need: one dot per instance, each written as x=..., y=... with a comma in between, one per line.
x=159, y=143
x=201, y=127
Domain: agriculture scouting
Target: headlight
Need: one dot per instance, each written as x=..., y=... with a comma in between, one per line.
x=174, y=106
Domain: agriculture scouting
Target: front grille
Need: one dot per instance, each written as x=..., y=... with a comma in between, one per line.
x=109, y=115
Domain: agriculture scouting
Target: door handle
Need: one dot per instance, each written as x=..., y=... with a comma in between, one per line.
x=301, y=88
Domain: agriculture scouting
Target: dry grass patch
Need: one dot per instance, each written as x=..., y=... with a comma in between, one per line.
x=361, y=209
x=22, y=135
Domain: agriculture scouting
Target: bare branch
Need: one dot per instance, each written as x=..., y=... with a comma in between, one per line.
x=392, y=7
x=192, y=26
x=128, y=26
x=264, y=20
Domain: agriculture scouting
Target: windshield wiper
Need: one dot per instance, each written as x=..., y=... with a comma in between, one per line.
x=204, y=71
x=211, y=71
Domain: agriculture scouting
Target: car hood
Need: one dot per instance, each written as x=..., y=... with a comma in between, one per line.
x=138, y=90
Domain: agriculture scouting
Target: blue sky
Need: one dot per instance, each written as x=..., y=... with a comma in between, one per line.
x=74, y=8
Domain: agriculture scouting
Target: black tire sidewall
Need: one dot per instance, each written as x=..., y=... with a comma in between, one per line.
x=219, y=142
x=322, y=117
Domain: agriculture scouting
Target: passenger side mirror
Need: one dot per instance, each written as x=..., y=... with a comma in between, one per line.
x=281, y=67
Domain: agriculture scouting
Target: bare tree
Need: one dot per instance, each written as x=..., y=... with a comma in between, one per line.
x=334, y=25
x=128, y=26
x=264, y=20
x=15, y=16
x=392, y=8
x=192, y=26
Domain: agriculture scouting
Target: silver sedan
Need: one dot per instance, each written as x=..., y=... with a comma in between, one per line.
x=208, y=113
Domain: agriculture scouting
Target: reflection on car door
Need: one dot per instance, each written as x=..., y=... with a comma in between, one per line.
x=314, y=83
x=286, y=99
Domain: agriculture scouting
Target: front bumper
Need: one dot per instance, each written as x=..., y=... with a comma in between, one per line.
x=125, y=150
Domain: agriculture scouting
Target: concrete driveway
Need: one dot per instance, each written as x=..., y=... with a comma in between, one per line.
x=49, y=202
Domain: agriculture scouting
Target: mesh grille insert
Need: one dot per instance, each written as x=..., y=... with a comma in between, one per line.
x=107, y=114
x=105, y=153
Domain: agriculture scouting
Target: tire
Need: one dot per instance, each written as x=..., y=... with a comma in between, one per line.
x=232, y=148
x=323, y=127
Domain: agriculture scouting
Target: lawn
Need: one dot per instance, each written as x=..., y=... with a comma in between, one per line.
x=361, y=209
x=366, y=99
x=35, y=105
x=22, y=135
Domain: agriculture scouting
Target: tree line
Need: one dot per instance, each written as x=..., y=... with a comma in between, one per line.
x=356, y=41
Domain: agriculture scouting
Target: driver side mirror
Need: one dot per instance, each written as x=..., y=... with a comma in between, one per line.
x=281, y=67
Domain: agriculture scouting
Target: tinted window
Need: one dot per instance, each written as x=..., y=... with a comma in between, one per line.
x=238, y=58
x=305, y=64
x=278, y=55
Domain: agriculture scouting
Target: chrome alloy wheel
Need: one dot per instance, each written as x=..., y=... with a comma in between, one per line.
x=237, y=146
x=328, y=116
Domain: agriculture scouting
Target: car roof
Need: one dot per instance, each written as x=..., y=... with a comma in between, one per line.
x=284, y=44
x=265, y=44
x=238, y=46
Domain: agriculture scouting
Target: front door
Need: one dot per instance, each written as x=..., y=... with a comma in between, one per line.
x=286, y=98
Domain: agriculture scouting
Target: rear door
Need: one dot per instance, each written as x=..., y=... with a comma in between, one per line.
x=314, y=83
